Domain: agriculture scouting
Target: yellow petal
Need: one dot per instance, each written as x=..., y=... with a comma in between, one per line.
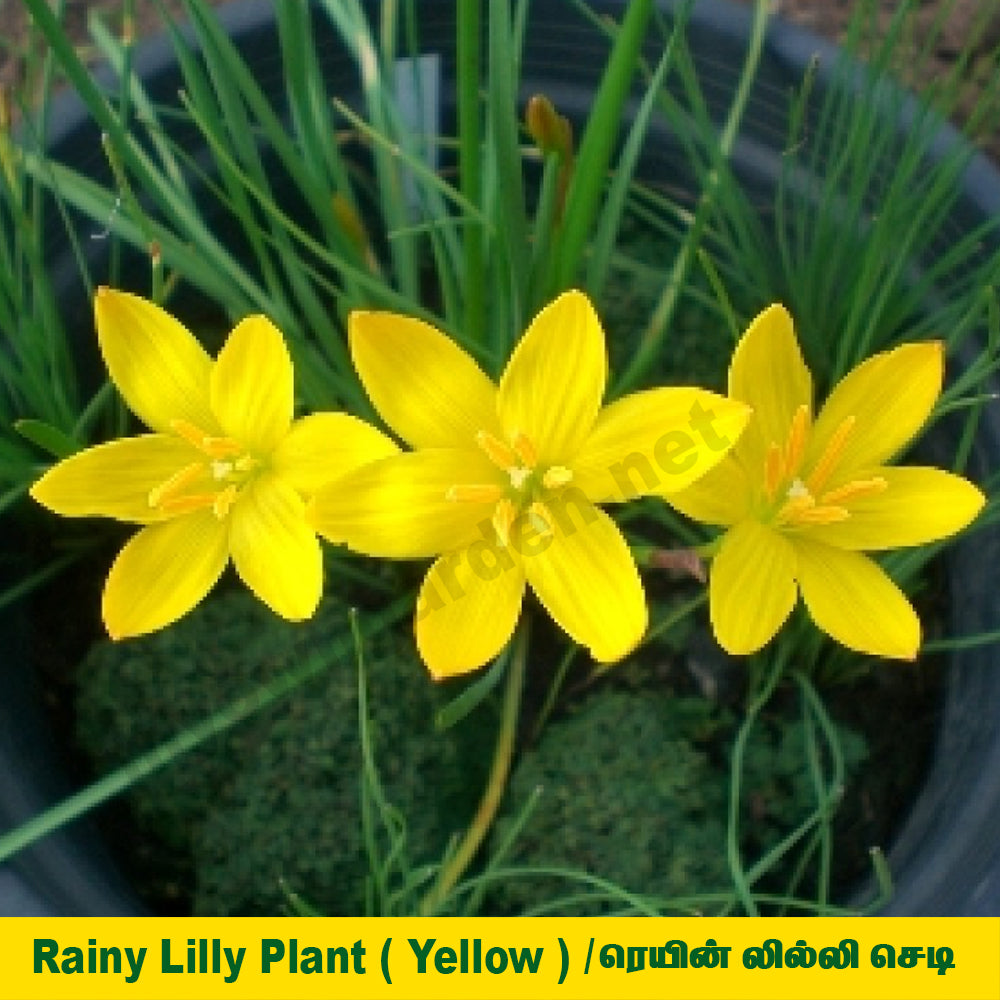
x=768, y=373
x=919, y=505
x=163, y=572
x=722, y=496
x=325, y=446
x=552, y=387
x=587, y=580
x=752, y=587
x=115, y=479
x=852, y=599
x=251, y=386
x=890, y=395
x=277, y=554
x=467, y=609
x=398, y=507
x=158, y=366
x=657, y=441
x=426, y=388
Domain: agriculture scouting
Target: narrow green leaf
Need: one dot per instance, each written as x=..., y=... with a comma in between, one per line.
x=28, y=583
x=597, y=145
x=610, y=219
x=469, y=155
x=458, y=708
x=511, y=214
x=50, y=439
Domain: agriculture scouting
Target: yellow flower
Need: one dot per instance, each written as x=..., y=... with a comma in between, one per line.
x=802, y=499
x=503, y=480
x=225, y=473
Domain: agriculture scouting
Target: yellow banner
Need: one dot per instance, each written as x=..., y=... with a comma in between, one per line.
x=439, y=958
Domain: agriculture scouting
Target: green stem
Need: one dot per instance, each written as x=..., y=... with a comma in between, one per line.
x=456, y=865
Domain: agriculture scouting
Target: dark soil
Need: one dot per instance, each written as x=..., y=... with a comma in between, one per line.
x=954, y=23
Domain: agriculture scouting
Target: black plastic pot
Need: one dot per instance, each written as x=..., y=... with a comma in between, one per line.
x=946, y=858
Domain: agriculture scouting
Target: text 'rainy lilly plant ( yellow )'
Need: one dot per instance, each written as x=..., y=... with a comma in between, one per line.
x=803, y=498
x=225, y=473
x=503, y=481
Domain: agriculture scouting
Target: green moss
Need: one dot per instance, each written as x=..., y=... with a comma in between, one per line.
x=632, y=793
x=635, y=778
x=778, y=786
x=626, y=796
x=278, y=797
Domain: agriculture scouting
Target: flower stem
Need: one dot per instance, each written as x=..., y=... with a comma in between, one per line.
x=455, y=866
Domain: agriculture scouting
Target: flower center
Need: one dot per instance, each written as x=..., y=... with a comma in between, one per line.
x=214, y=482
x=530, y=486
x=794, y=499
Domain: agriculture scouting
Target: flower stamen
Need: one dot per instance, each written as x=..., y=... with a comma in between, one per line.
x=529, y=486
x=773, y=472
x=175, y=485
x=185, y=505
x=853, y=491
x=525, y=449
x=829, y=459
x=823, y=515
x=485, y=493
x=556, y=476
x=214, y=447
x=499, y=453
x=226, y=464
x=796, y=445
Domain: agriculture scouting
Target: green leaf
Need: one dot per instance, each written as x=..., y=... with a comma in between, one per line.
x=50, y=439
x=584, y=196
x=511, y=216
x=614, y=204
x=460, y=707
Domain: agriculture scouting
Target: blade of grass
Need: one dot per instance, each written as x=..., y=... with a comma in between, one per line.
x=469, y=154
x=609, y=222
x=511, y=213
x=597, y=144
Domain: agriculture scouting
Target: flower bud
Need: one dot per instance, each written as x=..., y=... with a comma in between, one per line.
x=551, y=131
